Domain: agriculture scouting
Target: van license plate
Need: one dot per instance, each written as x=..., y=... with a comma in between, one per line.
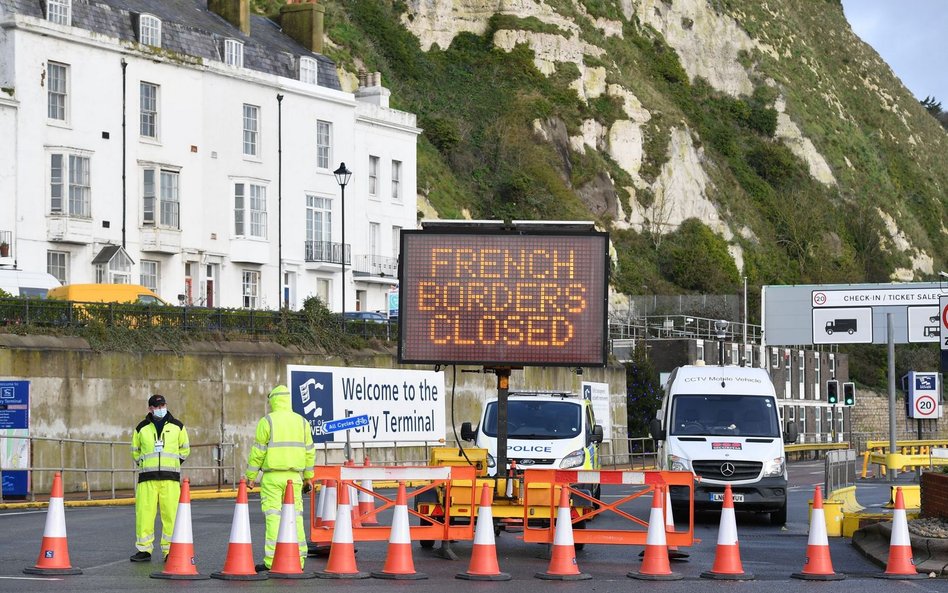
x=719, y=497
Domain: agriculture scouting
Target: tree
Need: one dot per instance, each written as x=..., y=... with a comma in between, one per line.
x=931, y=105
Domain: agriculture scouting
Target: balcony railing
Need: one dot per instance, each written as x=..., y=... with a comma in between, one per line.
x=376, y=265
x=326, y=251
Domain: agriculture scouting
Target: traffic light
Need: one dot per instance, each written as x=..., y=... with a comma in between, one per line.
x=832, y=391
x=849, y=394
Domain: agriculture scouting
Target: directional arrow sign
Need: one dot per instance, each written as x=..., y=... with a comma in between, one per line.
x=346, y=423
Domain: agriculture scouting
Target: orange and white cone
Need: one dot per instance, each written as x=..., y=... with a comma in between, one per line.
x=398, y=561
x=673, y=552
x=342, y=562
x=239, y=566
x=180, y=563
x=320, y=505
x=330, y=506
x=483, y=566
x=818, y=565
x=563, y=556
x=53, y=558
x=655, y=566
x=900, y=564
x=727, y=558
x=367, y=500
x=287, y=557
x=313, y=549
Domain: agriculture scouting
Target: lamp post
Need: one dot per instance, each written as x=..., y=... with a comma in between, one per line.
x=342, y=178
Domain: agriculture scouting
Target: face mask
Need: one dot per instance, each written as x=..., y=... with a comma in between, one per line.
x=160, y=412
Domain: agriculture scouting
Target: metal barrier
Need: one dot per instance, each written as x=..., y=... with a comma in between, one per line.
x=909, y=453
x=839, y=470
x=458, y=483
x=631, y=452
x=803, y=450
x=206, y=464
x=546, y=484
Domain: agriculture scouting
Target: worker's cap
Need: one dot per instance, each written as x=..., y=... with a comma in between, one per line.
x=156, y=401
x=279, y=390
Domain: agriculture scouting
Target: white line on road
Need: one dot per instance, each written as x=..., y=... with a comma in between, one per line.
x=32, y=578
x=104, y=565
x=18, y=513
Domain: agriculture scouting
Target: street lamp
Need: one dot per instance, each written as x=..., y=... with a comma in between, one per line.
x=342, y=178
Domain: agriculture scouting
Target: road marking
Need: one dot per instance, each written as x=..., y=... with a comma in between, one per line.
x=104, y=565
x=32, y=578
x=22, y=513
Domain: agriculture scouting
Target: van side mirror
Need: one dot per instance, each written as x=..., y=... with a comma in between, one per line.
x=467, y=432
x=655, y=429
x=790, y=436
x=597, y=434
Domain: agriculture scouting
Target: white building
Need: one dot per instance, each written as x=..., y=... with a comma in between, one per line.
x=189, y=146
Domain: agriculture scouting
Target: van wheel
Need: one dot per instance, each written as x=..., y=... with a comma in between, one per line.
x=779, y=517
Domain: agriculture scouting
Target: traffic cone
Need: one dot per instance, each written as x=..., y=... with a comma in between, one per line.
x=354, y=506
x=727, y=558
x=818, y=565
x=342, y=562
x=239, y=566
x=180, y=563
x=655, y=565
x=398, y=561
x=330, y=506
x=563, y=556
x=53, y=558
x=673, y=552
x=320, y=504
x=900, y=564
x=287, y=562
x=484, y=565
x=367, y=500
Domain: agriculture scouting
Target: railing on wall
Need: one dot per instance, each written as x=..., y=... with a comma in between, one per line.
x=109, y=466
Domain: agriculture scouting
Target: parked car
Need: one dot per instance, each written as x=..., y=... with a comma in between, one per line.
x=105, y=293
x=366, y=316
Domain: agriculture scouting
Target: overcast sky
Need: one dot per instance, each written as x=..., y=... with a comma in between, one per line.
x=911, y=36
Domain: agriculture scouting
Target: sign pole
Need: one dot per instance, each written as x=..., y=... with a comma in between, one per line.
x=503, y=390
x=890, y=330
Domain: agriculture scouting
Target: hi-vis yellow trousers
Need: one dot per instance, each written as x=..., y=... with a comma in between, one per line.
x=151, y=496
x=272, y=486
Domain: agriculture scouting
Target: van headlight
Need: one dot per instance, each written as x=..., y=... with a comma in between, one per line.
x=574, y=459
x=491, y=462
x=774, y=467
x=678, y=464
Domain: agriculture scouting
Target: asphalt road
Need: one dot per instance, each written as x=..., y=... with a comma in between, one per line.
x=101, y=540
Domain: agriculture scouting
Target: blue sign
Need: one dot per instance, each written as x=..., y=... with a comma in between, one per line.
x=311, y=393
x=14, y=414
x=393, y=304
x=346, y=423
x=924, y=382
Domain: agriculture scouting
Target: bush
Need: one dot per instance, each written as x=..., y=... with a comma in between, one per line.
x=695, y=258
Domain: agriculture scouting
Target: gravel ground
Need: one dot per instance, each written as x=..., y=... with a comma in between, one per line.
x=929, y=527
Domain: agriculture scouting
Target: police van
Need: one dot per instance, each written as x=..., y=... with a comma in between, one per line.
x=723, y=424
x=545, y=430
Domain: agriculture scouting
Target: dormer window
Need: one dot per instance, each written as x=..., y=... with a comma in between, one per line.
x=59, y=11
x=308, y=70
x=233, y=53
x=149, y=30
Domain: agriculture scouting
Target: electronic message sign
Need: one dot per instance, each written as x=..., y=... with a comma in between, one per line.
x=503, y=298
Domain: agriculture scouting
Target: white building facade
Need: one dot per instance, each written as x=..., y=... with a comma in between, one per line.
x=204, y=148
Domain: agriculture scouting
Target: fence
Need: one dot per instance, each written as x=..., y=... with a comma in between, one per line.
x=839, y=470
x=112, y=467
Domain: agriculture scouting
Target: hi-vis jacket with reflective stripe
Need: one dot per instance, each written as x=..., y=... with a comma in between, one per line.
x=283, y=440
x=164, y=462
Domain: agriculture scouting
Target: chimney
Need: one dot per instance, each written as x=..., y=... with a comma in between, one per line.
x=371, y=89
x=235, y=12
x=303, y=22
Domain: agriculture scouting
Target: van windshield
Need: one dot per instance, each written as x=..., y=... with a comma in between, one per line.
x=724, y=415
x=537, y=419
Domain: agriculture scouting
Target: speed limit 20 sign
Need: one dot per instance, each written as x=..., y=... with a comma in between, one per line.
x=924, y=395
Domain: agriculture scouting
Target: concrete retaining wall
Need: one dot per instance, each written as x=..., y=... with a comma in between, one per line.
x=217, y=388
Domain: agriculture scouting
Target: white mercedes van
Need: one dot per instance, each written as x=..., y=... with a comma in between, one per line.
x=723, y=424
x=20, y=283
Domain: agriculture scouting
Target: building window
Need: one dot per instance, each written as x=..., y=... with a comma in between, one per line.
x=323, y=144
x=308, y=70
x=375, y=232
x=57, y=264
x=250, y=210
x=250, y=289
x=160, y=200
x=251, y=129
x=318, y=228
x=117, y=271
x=149, y=30
x=59, y=11
x=397, y=181
x=148, y=98
x=373, y=176
x=396, y=241
x=69, y=191
x=57, y=85
x=233, y=53
x=150, y=278
x=699, y=350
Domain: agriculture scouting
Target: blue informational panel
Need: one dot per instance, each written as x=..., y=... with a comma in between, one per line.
x=14, y=422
